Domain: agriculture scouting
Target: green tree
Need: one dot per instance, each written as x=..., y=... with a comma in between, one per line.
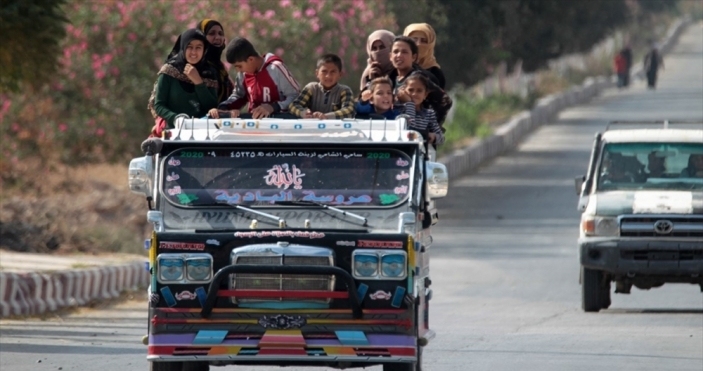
x=31, y=31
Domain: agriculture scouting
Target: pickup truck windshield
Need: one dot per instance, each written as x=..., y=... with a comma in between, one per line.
x=666, y=166
x=198, y=177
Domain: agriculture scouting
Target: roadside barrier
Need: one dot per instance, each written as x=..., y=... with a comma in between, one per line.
x=36, y=293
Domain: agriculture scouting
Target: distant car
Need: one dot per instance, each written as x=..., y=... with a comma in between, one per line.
x=642, y=209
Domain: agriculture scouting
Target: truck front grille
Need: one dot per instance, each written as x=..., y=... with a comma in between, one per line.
x=283, y=282
x=661, y=226
x=662, y=255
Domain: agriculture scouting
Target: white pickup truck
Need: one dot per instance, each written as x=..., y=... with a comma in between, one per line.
x=642, y=209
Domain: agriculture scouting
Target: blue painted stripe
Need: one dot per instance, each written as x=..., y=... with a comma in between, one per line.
x=201, y=294
x=168, y=296
x=398, y=297
x=210, y=337
x=361, y=291
x=352, y=337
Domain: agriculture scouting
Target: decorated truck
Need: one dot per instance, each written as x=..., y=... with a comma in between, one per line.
x=289, y=243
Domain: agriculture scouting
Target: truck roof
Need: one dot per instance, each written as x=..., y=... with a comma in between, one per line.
x=654, y=136
x=292, y=131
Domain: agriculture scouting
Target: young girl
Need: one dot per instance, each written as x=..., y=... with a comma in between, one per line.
x=404, y=53
x=421, y=119
x=185, y=84
x=377, y=100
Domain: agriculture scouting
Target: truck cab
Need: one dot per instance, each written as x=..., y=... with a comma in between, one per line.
x=289, y=242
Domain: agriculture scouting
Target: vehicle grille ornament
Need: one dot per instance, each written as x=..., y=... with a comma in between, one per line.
x=282, y=322
x=663, y=226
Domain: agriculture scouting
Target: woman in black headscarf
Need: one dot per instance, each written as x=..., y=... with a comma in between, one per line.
x=216, y=37
x=186, y=83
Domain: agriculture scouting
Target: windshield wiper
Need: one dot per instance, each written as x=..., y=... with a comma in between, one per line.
x=312, y=203
x=281, y=221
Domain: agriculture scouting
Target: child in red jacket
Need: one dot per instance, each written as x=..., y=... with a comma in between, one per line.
x=263, y=82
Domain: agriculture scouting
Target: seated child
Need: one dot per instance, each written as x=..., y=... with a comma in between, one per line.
x=424, y=120
x=377, y=100
x=263, y=82
x=325, y=99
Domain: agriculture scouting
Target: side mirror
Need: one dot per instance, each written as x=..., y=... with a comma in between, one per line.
x=141, y=172
x=437, y=180
x=578, y=182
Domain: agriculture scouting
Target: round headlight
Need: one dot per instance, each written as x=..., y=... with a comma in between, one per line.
x=393, y=265
x=170, y=269
x=198, y=269
x=366, y=265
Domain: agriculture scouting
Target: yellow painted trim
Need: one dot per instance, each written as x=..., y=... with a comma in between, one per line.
x=224, y=350
x=339, y=351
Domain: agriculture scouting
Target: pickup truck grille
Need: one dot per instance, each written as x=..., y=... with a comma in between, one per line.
x=661, y=226
x=662, y=255
x=283, y=282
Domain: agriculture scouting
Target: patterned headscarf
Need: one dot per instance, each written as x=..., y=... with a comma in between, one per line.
x=426, y=57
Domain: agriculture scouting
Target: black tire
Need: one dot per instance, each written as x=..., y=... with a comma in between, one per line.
x=605, y=294
x=413, y=366
x=179, y=366
x=592, y=290
x=165, y=366
x=195, y=366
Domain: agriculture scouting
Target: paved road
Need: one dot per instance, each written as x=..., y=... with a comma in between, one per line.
x=505, y=267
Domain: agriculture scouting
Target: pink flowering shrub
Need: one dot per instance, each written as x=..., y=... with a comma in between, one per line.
x=94, y=109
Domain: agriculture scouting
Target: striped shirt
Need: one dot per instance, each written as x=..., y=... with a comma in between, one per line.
x=423, y=121
x=336, y=103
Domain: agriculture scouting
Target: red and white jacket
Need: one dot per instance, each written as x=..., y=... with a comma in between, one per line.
x=273, y=84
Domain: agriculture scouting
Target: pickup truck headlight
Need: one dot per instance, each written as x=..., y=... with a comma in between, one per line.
x=600, y=226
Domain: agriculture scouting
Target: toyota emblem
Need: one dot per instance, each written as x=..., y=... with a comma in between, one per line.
x=663, y=226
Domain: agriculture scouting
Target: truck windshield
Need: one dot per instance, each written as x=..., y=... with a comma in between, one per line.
x=198, y=177
x=669, y=166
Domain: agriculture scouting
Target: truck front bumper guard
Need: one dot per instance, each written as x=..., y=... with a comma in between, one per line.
x=214, y=289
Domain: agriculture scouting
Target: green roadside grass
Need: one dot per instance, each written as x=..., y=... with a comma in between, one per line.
x=476, y=118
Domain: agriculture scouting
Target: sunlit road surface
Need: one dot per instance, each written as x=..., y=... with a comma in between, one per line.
x=505, y=267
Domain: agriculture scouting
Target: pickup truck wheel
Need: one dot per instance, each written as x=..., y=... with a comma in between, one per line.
x=605, y=295
x=592, y=295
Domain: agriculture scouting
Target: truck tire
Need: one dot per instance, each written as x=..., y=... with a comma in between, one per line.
x=592, y=296
x=195, y=366
x=165, y=366
x=413, y=366
x=179, y=366
x=605, y=294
